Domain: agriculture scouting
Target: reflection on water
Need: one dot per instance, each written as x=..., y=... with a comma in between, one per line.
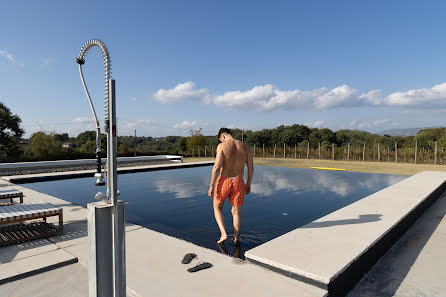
x=273, y=180
x=237, y=250
x=175, y=202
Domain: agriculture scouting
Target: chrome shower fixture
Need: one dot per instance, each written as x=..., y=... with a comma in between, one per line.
x=100, y=177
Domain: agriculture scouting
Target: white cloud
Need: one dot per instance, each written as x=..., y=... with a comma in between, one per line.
x=73, y=128
x=83, y=120
x=48, y=61
x=317, y=124
x=433, y=96
x=268, y=97
x=138, y=123
x=8, y=56
x=133, y=99
x=181, y=92
x=190, y=125
x=377, y=124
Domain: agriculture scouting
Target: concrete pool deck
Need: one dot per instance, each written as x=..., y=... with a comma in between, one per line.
x=153, y=262
x=155, y=269
x=335, y=251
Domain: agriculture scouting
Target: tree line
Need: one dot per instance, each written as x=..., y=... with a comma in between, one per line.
x=291, y=140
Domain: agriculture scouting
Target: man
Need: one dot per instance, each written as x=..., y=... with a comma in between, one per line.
x=232, y=155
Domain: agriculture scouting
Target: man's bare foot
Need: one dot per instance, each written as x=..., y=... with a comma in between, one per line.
x=223, y=238
x=236, y=242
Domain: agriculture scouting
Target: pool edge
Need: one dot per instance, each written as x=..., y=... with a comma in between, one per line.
x=343, y=281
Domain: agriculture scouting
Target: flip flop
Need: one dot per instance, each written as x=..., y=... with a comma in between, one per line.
x=200, y=266
x=188, y=258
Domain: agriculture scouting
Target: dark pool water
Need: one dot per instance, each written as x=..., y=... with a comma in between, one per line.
x=175, y=202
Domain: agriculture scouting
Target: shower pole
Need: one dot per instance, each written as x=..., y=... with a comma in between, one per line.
x=106, y=219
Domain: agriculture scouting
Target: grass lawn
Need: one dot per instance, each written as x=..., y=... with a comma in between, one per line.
x=358, y=166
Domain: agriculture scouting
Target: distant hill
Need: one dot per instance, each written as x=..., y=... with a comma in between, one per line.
x=403, y=132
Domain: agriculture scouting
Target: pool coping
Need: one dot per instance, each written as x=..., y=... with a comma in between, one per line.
x=40, y=177
x=324, y=275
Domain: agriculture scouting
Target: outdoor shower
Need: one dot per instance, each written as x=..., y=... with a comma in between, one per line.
x=106, y=219
x=107, y=65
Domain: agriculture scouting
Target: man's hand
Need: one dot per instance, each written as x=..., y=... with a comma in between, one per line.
x=211, y=192
x=248, y=188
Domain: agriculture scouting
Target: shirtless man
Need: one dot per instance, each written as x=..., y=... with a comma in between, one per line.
x=232, y=155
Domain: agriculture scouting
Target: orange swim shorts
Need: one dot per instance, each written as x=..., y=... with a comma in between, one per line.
x=232, y=187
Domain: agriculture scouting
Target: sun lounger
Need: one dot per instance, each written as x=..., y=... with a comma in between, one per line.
x=13, y=228
x=10, y=194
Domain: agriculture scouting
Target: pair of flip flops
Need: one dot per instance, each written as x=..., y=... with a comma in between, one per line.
x=200, y=266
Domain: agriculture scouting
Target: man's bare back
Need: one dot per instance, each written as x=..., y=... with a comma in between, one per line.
x=235, y=154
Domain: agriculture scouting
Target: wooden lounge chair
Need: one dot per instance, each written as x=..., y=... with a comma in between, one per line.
x=10, y=194
x=13, y=228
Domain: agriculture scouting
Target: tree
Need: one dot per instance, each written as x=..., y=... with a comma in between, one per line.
x=61, y=137
x=44, y=146
x=89, y=147
x=123, y=148
x=182, y=145
x=84, y=137
x=10, y=133
x=196, y=139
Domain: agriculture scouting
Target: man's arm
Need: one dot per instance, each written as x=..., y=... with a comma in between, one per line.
x=216, y=169
x=250, y=164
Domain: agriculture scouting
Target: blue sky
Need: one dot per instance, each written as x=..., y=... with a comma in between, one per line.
x=180, y=65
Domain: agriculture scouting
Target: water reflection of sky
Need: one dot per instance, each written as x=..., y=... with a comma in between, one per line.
x=273, y=180
x=175, y=202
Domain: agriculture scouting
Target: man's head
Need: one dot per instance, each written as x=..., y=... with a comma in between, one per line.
x=223, y=134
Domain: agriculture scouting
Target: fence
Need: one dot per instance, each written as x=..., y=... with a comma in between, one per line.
x=375, y=152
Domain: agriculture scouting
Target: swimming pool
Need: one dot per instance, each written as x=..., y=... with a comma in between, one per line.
x=175, y=201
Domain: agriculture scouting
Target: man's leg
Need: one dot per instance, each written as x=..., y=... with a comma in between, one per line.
x=218, y=212
x=237, y=222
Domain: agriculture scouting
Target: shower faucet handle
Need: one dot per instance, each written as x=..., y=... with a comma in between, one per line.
x=100, y=196
x=100, y=181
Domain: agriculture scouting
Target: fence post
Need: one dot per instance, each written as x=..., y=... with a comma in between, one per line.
x=396, y=152
x=205, y=151
x=193, y=148
x=435, y=153
x=363, y=153
x=379, y=154
x=348, y=151
x=254, y=150
x=274, y=155
x=198, y=151
x=319, y=150
x=374, y=152
x=295, y=151
x=416, y=152
x=332, y=150
x=263, y=150
x=308, y=150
